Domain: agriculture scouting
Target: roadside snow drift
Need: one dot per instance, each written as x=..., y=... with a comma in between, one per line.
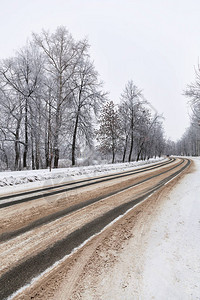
x=38, y=178
x=172, y=266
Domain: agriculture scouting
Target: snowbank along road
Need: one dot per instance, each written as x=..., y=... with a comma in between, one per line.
x=39, y=228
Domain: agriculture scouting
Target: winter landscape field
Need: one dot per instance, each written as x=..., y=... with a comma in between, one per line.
x=99, y=150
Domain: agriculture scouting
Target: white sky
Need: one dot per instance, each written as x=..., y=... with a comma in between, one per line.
x=155, y=43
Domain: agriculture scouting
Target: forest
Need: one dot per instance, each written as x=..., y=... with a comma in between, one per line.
x=54, y=111
x=189, y=143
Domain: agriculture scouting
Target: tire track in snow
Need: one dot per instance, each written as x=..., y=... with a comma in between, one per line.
x=24, y=272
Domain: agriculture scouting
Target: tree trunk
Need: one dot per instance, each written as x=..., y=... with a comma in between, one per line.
x=131, y=148
x=125, y=148
x=17, y=152
x=138, y=156
x=56, y=157
x=32, y=155
x=46, y=151
x=124, y=155
x=140, y=151
x=113, y=156
x=48, y=142
x=16, y=156
x=32, y=145
x=74, y=139
x=37, y=159
x=26, y=135
x=56, y=150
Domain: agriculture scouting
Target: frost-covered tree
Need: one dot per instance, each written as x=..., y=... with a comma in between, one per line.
x=20, y=78
x=87, y=99
x=50, y=94
x=129, y=107
x=50, y=99
x=189, y=144
x=138, y=123
x=193, y=93
x=109, y=132
x=62, y=55
x=151, y=135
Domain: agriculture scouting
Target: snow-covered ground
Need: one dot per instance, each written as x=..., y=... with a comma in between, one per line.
x=17, y=180
x=161, y=259
x=172, y=265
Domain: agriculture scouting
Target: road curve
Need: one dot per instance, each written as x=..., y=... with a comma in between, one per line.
x=51, y=217
x=6, y=200
x=36, y=245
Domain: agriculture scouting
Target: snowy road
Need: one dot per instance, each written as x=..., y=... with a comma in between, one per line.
x=38, y=247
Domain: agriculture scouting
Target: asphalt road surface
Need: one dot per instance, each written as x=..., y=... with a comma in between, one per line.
x=41, y=227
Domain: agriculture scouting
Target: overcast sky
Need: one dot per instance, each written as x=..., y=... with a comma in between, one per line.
x=155, y=43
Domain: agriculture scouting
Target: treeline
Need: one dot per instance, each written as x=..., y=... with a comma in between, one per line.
x=130, y=131
x=53, y=108
x=189, y=144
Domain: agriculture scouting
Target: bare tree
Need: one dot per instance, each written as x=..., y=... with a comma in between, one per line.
x=11, y=107
x=131, y=102
x=62, y=56
x=87, y=99
x=125, y=127
x=108, y=135
x=149, y=133
x=21, y=76
x=193, y=93
x=189, y=144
